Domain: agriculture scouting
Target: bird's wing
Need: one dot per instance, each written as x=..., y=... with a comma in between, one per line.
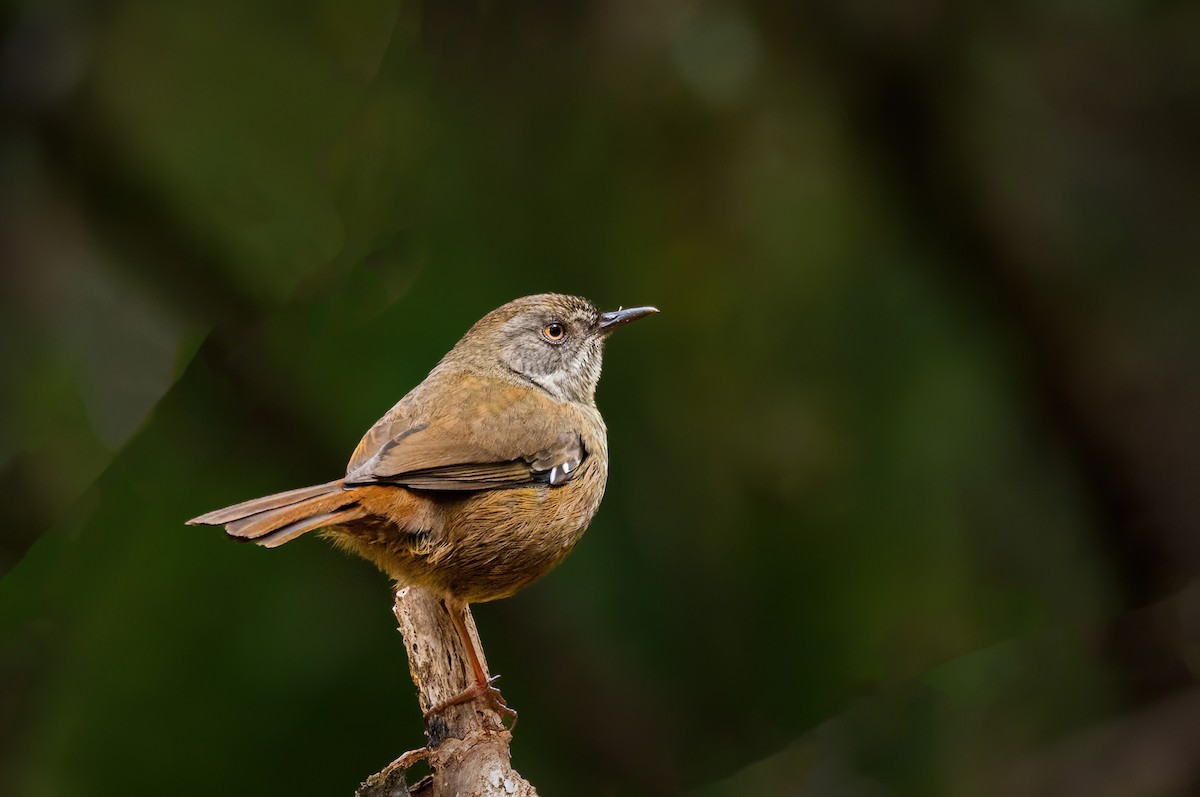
x=467, y=432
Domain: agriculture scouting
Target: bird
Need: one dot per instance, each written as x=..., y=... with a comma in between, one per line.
x=478, y=481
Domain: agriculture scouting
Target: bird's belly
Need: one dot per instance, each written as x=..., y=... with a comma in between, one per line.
x=499, y=541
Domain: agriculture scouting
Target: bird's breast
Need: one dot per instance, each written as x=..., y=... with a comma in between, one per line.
x=498, y=541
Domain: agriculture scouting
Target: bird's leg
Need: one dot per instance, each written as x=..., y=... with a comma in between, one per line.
x=482, y=686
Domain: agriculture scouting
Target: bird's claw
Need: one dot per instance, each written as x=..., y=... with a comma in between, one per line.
x=491, y=695
x=498, y=704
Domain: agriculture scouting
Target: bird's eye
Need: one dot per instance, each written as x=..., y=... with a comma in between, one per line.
x=554, y=332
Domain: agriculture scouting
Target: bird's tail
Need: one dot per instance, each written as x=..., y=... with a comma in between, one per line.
x=275, y=519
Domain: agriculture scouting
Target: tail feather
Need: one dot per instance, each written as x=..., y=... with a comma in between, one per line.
x=275, y=519
x=254, y=506
x=294, y=529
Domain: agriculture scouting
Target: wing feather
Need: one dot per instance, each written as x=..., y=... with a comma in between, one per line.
x=491, y=434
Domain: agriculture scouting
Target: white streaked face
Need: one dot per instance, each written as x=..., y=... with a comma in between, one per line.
x=558, y=345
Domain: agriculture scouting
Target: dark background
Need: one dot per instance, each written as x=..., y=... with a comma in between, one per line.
x=905, y=496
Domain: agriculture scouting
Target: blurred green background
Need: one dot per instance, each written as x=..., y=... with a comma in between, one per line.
x=905, y=496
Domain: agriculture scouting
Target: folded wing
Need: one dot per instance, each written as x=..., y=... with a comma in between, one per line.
x=490, y=435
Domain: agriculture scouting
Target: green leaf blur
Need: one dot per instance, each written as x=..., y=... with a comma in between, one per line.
x=904, y=476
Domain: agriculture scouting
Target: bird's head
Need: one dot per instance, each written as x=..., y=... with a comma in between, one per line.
x=552, y=340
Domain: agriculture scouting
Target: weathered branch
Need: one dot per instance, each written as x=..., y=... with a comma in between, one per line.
x=468, y=752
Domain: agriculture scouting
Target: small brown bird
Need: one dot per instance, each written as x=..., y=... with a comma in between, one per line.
x=482, y=478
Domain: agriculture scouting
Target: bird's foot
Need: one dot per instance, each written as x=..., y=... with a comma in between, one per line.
x=491, y=695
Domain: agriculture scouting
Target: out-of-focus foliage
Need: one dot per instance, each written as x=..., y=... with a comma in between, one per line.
x=904, y=493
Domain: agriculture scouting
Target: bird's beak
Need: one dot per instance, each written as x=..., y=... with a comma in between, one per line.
x=617, y=318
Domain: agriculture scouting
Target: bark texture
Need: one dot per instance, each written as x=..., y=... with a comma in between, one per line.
x=468, y=751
